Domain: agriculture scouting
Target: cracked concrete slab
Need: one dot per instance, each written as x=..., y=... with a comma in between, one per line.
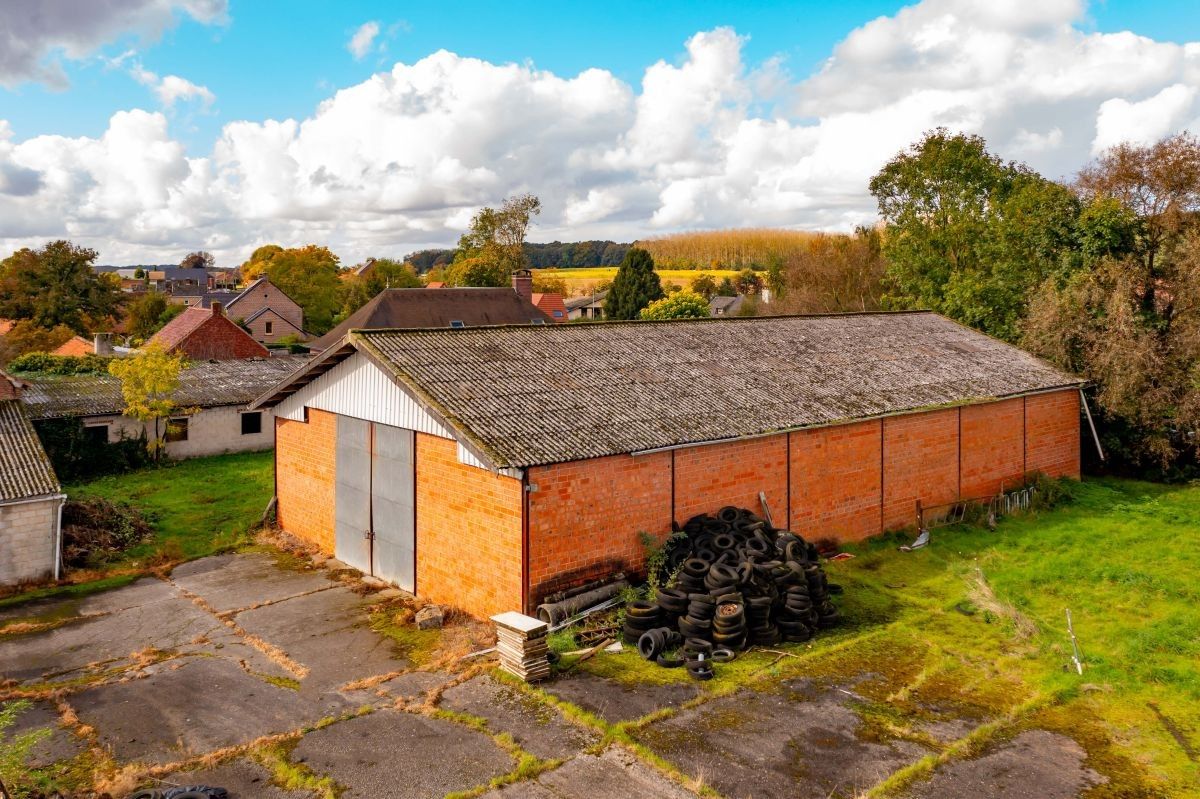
x=796, y=743
x=229, y=582
x=415, y=683
x=190, y=708
x=327, y=632
x=614, y=774
x=243, y=779
x=537, y=728
x=61, y=744
x=394, y=755
x=1035, y=765
x=614, y=702
x=160, y=620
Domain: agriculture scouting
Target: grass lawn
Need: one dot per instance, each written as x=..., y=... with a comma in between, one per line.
x=580, y=279
x=977, y=621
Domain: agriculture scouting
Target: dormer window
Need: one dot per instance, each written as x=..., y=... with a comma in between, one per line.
x=456, y=323
x=537, y=321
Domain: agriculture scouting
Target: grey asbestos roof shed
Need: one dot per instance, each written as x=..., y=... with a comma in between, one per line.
x=526, y=396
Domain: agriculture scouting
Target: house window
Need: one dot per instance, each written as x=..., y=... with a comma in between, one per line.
x=558, y=314
x=96, y=433
x=537, y=321
x=269, y=328
x=456, y=323
x=251, y=423
x=177, y=430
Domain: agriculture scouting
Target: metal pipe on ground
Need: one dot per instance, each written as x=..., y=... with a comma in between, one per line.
x=556, y=612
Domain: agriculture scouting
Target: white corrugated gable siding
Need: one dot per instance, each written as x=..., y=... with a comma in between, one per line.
x=356, y=387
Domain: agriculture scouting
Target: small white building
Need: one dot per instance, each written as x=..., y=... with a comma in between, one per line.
x=212, y=397
x=30, y=498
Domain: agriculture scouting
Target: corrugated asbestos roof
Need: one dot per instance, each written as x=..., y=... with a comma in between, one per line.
x=205, y=384
x=537, y=395
x=25, y=470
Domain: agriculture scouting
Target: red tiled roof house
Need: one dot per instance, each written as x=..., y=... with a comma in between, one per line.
x=207, y=334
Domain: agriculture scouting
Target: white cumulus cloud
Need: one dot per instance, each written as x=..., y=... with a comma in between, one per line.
x=34, y=33
x=360, y=43
x=403, y=159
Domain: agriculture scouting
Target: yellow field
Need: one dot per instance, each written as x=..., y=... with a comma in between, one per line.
x=580, y=281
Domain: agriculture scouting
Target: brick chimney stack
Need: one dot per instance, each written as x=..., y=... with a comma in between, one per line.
x=522, y=283
x=218, y=309
x=10, y=387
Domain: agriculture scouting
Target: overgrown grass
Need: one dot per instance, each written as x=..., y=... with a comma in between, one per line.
x=198, y=507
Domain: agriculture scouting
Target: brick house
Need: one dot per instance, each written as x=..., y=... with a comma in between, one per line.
x=30, y=497
x=488, y=467
x=267, y=312
x=207, y=334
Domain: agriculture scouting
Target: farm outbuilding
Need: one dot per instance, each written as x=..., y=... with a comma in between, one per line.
x=488, y=467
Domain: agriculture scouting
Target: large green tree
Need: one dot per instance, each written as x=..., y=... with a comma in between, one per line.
x=384, y=273
x=1129, y=321
x=309, y=275
x=148, y=312
x=970, y=235
x=494, y=246
x=56, y=285
x=635, y=286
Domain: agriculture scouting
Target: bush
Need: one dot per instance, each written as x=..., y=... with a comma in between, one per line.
x=95, y=531
x=46, y=364
x=77, y=456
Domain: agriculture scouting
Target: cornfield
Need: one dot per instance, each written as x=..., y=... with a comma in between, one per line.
x=756, y=248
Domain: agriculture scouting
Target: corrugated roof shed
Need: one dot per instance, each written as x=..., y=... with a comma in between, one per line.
x=537, y=395
x=206, y=384
x=25, y=469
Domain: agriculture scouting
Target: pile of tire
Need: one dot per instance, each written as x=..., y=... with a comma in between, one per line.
x=739, y=582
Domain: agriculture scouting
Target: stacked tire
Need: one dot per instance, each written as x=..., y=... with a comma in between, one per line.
x=640, y=617
x=729, y=624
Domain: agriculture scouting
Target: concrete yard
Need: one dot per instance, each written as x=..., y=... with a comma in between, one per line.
x=265, y=676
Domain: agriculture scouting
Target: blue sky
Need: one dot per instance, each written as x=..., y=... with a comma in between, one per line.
x=150, y=128
x=277, y=59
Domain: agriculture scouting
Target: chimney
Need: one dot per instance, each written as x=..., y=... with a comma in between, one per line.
x=218, y=309
x=102, y=344
x=10, y=387
x=522, y=283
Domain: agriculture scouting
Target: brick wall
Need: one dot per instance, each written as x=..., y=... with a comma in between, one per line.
x=305, y=463
x=993, y=447
x=220, y=339
x=586, y=516
x=468, y=532
x=279, y=328
x=709, y=477
x=920, y=461
x=1052, y=433
x=27, y=541
x=836, y=481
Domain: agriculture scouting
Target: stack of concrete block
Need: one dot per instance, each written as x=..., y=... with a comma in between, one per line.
x=521, y=644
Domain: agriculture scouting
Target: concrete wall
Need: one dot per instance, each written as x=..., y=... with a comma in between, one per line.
x=211, y=431
x=28, y=536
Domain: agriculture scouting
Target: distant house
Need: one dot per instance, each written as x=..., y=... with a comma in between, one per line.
x=725, y=306
x=76, y=345
x=431, y=308
x=268, y=313
x=30, y=497
x=436, y=284
x=590, y=306
x=216, y=391
x=551, y=304
x=208, y=334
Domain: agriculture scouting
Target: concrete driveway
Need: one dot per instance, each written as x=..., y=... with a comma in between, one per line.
x=239, y=672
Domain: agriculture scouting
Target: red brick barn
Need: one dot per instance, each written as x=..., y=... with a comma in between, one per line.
x=486, y=467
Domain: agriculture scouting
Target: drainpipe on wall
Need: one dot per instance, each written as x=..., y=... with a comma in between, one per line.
x=62, y=500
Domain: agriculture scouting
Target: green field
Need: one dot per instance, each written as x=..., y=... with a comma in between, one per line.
x=578, y=280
